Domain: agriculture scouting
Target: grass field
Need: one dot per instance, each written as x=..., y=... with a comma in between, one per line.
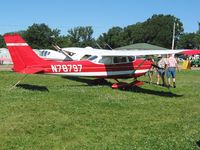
x=47, y=112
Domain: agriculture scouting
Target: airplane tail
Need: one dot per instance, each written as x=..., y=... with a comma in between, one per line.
x=23, y=57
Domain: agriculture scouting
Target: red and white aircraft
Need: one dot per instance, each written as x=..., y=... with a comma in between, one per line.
x=103, y=64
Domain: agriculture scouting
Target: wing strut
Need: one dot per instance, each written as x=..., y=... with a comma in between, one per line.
x=63, y=52
x=139, y=66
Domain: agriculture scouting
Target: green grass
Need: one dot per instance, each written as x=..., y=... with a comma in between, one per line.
x=48, y=112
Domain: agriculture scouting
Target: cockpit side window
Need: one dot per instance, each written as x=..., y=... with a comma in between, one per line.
x=119, y=59
x=106, y=60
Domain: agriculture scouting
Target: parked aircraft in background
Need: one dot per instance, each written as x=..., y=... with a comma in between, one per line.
x=77, y=53
x=113, y=64
x=66, y=54
x=5, y=58
x=48, y=54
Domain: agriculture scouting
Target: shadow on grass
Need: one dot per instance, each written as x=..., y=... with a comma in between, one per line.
x=147, y=82
x=33, y=87
x=137, y=89
x=92, y=82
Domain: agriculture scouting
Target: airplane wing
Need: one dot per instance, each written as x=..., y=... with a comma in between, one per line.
x=86, y=50
x=147, y=52
x=103, y=52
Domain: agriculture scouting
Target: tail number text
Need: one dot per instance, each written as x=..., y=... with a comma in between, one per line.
x=66, y=68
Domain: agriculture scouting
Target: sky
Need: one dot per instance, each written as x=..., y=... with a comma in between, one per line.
x=100, y=14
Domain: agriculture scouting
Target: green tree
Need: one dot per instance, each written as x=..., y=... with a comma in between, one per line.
x=158, y=30
x=186, y=41
x=114, y=38
x=134, y=34
x=2, y=43
x=41, y=36
x=197, y=40
x=63, y=41
x=81, y=36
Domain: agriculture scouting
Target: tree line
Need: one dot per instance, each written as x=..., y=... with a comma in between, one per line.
x=157, y=30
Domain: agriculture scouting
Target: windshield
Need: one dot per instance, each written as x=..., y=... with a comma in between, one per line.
x=92, y=58
x=106, y=60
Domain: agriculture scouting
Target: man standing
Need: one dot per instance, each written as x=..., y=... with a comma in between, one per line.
x=151, y=70
x=161, y=70
x=172, y=65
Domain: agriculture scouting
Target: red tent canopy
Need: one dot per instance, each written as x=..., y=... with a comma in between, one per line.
x=191, y=52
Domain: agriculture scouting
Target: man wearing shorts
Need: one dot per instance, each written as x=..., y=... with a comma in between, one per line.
x=172, y=65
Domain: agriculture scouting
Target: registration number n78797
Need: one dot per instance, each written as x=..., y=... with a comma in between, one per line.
x=66, y=68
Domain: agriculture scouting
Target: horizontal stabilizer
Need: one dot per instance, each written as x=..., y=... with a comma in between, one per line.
x=31, y=70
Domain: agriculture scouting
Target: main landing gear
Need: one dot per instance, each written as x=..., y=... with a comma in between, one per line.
x=124, y=85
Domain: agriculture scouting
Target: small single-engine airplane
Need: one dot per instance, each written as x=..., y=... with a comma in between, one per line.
x=113, y=64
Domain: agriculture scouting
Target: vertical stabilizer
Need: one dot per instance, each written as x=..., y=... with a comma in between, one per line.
x=21, y=53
